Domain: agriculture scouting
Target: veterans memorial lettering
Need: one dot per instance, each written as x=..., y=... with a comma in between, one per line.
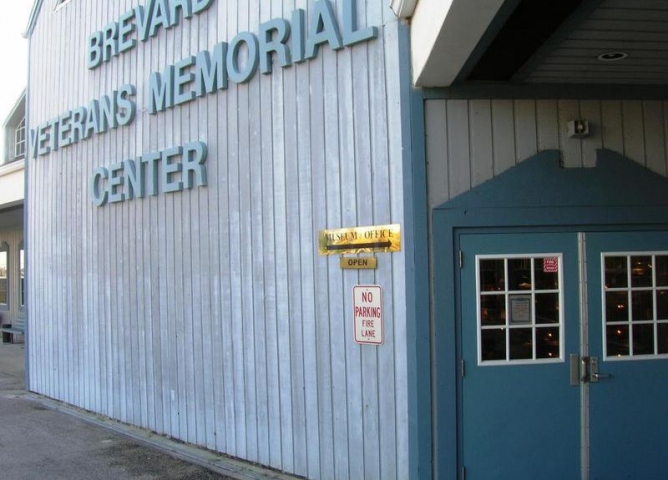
x=206, y=72
x=179, y=84
x=81, y=123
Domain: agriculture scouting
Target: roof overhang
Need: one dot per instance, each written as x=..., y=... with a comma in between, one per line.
x=403, y=8
x=444, y=34
x=519, y=42
x=11, y=215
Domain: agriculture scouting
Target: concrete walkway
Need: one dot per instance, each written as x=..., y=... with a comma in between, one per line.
x=43, y=439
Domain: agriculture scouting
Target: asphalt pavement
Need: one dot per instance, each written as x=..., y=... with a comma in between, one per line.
x=43, y=439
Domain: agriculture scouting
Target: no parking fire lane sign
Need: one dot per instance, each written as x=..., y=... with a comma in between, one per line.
x=368, y=314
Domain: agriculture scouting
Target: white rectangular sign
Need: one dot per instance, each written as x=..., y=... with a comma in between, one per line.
x=368, y=314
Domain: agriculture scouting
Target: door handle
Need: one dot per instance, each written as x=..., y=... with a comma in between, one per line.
x=585, y=370
x=594, y=375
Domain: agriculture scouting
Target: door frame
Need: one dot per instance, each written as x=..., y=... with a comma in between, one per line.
x=592, y=199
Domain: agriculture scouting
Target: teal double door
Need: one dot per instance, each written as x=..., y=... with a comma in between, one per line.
x=564, y=352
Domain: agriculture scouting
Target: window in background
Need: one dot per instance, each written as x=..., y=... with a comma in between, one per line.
x=60, y=3
x=20, y=140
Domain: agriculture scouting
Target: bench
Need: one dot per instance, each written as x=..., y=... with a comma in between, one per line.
x=17, y=327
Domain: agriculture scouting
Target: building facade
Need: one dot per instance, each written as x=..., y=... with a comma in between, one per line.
x=195, y=304
x=502, y=164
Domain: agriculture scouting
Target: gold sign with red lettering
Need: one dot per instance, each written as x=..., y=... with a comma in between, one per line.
x=375, y=239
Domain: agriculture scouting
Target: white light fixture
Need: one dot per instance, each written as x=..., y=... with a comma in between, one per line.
x=612, y=56
x=403, y=8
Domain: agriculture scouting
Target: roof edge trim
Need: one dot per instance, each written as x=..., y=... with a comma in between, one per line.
x=34, y=13
x=15, y=108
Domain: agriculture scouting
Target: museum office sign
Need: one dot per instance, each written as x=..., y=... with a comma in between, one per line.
x=286, y=42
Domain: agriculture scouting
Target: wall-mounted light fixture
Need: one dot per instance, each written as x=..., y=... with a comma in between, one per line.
x=578, y=128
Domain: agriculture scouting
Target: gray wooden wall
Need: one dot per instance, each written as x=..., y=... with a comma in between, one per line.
x=208, y=315
x=471, y=141
x=13, y=237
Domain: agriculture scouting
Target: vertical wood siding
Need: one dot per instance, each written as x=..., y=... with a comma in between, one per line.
x=471, y=141
x=208, y=315
x=12, y=236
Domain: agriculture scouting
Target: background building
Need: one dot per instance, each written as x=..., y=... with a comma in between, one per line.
x=12, y=258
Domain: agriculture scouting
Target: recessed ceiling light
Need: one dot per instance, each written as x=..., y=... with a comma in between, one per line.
x=612, y=56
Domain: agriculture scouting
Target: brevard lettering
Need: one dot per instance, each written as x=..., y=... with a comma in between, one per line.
x=140, y=22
